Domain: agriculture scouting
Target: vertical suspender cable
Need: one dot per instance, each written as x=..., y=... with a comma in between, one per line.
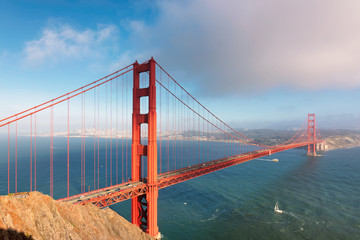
x=203, y=138
x=68, y=147
x=94, y=133
x=106, y=133
x=51, y=149
x=98, y=141
x=175, y=129
x=8, y=158
x=16, y=156
x=122, y=129
x=117, y=130
x=167, y=129
x=160, y=133
x=126, y=126
x=84, y=142
x=30, y=153
x=111, y=132
x=198, y=139
x=35, y=154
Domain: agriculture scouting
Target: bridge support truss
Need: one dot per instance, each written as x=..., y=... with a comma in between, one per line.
x=311, y=135
x=144, y=208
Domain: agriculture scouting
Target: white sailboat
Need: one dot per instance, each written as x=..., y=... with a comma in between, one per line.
x=276, y=209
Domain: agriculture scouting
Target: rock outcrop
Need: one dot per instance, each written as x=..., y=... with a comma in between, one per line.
x=347, y=141
x=38, y=216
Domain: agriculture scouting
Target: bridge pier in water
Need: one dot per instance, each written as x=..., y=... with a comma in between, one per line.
x=144, y=207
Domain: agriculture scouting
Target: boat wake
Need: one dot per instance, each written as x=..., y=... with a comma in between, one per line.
x=213, y=216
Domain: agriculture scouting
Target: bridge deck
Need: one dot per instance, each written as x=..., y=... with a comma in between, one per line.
x=121, y=192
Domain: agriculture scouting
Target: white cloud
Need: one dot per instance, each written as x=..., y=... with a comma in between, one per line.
x=122, y=61
x=240, y=46
x=64, y=42
x=230, y=46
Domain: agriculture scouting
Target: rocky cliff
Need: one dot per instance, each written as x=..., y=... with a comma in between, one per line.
x=341, y=141
x=38, y=216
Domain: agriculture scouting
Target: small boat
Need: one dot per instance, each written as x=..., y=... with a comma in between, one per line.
x=276, y=209
x=275, y=160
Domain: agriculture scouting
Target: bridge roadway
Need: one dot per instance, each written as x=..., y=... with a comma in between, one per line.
x=110, y=195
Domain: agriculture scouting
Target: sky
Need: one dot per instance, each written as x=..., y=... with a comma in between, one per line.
x=255, y=64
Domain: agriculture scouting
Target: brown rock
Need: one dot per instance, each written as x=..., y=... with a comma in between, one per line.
x=42, y=217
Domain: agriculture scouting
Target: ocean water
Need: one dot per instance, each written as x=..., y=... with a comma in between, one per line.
x=320, y=196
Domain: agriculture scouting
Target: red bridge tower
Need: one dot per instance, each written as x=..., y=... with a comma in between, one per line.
x=311, y=135
x=144, y=207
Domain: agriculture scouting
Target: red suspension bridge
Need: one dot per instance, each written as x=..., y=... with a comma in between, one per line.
x=90, y=146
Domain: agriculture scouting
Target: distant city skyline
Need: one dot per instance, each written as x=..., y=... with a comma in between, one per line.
x=254, y=64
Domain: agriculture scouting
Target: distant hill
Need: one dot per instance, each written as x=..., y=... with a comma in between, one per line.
x=340, y=138
x=268, y=136
x=334, y=138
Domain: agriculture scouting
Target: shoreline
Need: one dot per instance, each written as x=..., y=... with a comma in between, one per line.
x=342, y=142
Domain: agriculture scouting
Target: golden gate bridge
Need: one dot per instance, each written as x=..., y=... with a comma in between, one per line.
x=125, y=136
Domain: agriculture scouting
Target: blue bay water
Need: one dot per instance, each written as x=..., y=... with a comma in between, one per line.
x=320, y=196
